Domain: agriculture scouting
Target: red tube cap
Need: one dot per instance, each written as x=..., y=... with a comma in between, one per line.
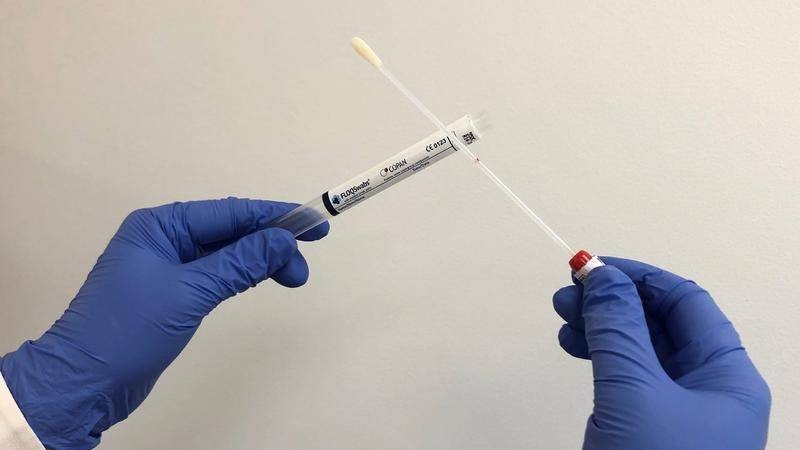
x=579, y=260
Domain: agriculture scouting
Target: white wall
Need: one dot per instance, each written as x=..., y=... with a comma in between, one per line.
x=665, y=133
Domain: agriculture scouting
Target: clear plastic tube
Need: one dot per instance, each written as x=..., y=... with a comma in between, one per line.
x=486, y=171
x=354, y=191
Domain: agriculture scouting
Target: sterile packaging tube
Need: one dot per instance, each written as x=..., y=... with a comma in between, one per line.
x=380, y=177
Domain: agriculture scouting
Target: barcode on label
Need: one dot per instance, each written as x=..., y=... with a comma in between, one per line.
x=469, y=138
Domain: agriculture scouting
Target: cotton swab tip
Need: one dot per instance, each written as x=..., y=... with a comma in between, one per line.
x=365, y=51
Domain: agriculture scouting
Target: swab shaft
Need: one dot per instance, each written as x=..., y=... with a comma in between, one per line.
x=466, y=151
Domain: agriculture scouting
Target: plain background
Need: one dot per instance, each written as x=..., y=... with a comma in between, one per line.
x=667, y=133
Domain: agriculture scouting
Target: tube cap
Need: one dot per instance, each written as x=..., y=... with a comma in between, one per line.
x=579, y=260
x=582, y=263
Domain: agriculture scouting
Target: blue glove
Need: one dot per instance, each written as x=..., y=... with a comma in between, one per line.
x=669, y=370
x=164, y=270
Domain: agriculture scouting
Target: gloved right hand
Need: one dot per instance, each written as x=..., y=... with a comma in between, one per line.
x=670, y=372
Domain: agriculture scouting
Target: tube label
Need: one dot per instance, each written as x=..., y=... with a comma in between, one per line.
x=398, y=167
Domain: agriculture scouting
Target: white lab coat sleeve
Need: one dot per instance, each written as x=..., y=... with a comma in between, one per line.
x=15, y=433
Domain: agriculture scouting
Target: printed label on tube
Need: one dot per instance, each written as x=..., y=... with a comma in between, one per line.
x=402, y=165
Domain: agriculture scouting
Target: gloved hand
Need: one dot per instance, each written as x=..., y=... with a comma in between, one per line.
x=669, y=370
x=164, y=270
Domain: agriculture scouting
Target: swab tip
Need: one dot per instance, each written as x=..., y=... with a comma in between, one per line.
x=365, y=51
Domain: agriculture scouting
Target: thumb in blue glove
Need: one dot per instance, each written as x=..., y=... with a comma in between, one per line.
x=164, y=270
x=670, y=372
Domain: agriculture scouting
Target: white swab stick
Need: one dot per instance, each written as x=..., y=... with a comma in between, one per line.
x=371, y=57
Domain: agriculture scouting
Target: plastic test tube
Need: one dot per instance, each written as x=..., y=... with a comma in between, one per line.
x=378, y=178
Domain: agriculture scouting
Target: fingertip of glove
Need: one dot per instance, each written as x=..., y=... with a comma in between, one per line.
x=566, y=296
x=294, y=273
x=566, y=293
x=281, y=242
x=563, y=334
x=573, y=342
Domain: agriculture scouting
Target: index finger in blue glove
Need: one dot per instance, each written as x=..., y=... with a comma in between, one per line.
x=616, y=329
x=573, y=341
x=231, y=218
x=568, y=303
x=200, y=227
x=294, y=273
x=243, y=264
x=698, y=328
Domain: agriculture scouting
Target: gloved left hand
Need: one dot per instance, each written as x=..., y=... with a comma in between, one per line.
x=162, y=273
